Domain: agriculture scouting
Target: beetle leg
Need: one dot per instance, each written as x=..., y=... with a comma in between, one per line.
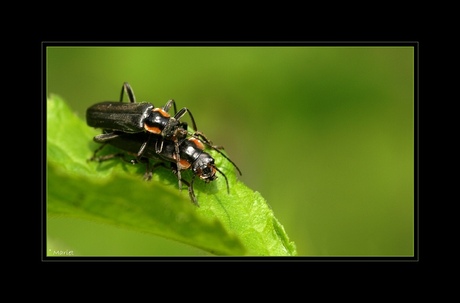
x=103, y=138
x=176, y=148
x=182, y=112
x=107, y=157
x=191, y=192
x=168, y=106
x=126, y=88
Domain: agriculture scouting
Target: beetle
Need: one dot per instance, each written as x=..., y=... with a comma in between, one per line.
x=191, y=150
x=134, y=117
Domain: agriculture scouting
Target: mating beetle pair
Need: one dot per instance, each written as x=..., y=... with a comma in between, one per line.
x=148, y=132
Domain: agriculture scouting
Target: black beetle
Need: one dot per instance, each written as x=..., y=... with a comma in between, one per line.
x=191, y=151
x=136, y=117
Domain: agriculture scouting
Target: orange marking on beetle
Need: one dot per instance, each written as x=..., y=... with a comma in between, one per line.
x=162, y=112
x=184, y=164
x=197, y=143
x=152, y=129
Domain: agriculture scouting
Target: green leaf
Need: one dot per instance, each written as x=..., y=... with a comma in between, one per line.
x=114, y=192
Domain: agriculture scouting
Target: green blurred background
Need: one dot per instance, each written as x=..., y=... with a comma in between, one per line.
x=325, y=134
